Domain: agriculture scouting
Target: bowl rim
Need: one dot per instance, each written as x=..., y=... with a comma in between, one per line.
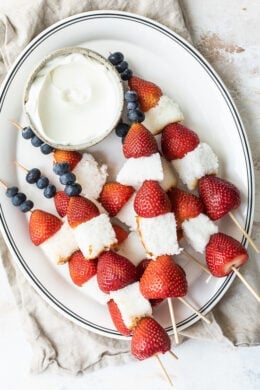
x=89, y=53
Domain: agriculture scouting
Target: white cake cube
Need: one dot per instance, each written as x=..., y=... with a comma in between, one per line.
x=95, y=236
x=166, y=111
x=136, y=170
x=158, y=235
x=132, y=248
x=197, y=231
x=169, y=178
x=199, y=162
x=92, y=289
x=90, y=176
x=131, y=303
x=60, y=246
x=127, y=214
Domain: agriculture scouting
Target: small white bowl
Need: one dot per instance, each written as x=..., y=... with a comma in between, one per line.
x=64, y=100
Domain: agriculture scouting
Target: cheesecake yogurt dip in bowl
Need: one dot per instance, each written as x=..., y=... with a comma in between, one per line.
x=74, y=98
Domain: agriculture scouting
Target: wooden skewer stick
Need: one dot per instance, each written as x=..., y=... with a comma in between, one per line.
x=19, y=127
x=3, y=185
x=251, y=242
x=164, y=370
x=21, y=166
x=176, y=336
x=243, y=280
x=187, y=254
x=173, y=354
x=190, y=306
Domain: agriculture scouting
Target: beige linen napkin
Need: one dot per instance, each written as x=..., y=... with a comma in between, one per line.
x=58, y=344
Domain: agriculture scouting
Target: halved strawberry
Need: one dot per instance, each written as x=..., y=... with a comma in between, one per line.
x=114, y=196
x=223, y=252
x=80, y=210
x=42, y=225
x=148, y=93
x=163, y=278
x=68, y=156
x=151, y=201
x=218, y=195
x=80, y=269
x=121, y=234
x=61, y=201
x=114, y=272
x=185, y=205
x=177, y=140
x=139, y=142
x=149, y=338
x=117, y=318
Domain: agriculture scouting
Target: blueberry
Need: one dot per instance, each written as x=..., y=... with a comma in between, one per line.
x=67, y=178
x=126, y=74
x=115, y=58
x=33, y=175
x=61, y=168
x=122, y=66
x=135, y=116
x=131, y=96
x=42, y=182
x=49, y=191
x=11, y=191
x=132, y=105
x=73, y=189
x=26, y=206
x=46, y=149
x=122, y=129
x=27, y=132
x=18, y=199
x=36, y=141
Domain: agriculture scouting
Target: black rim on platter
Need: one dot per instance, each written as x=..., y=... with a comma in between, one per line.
x=230, y=104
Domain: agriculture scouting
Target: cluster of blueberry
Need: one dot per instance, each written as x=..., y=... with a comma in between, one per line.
x=27, y=133
x=67, y=178
x=42, y=182
x=117, y=59
x=134, y=114
x=19, y=199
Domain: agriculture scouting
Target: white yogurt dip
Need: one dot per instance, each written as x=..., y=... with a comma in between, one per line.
x=74, y=98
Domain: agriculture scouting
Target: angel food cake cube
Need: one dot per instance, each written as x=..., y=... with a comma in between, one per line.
x=60, y=246
x=95, y=236
x=132, y=248
x=158, y=235
x=199, y=162
x=132, y=304
x=166, y=111
x=136, y=170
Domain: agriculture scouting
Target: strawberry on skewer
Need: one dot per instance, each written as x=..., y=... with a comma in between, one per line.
x=220, y=197
x=159, y=109
x=190, y=158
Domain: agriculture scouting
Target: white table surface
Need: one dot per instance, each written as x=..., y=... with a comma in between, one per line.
x=228, y=34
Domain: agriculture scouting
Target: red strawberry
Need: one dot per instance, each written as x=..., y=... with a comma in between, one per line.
x=80, y=210
x=121, y=234
x=149, y=338
x=114, y=272
x=163, y=278
x=223, y=252
x=114, y=196
x=80, y=269
x=177, y=140
x=139, y=142
x=185, y=205
x=61, y=201
x=68, y=156
x=148, y=93
x=43, y=225
x=218, y=195
x=151, y=201
x=140, y=270
x=117, y=318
